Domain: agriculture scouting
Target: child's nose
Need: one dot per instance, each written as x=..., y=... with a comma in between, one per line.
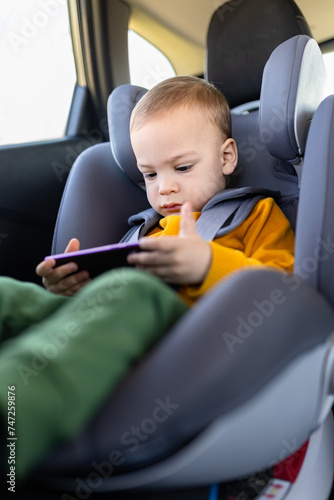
x=167, y=185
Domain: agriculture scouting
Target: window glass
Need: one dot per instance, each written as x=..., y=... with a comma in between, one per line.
x=329, y=63
x=37, y=70
x=148, y=66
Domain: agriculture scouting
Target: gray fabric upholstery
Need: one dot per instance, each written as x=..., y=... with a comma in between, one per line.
x=241, y=36
x=94, y=207
x=193, y=365
x=256, y=167
x=292, y=89
x=199, y=368
x=314, y=255
x=120, y=105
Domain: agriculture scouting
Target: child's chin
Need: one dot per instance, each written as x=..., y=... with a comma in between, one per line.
x=176, y=212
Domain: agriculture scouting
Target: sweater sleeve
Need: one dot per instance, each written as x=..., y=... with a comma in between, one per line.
x=265, y=238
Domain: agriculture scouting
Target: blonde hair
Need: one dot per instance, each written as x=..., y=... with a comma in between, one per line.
x=188, y=91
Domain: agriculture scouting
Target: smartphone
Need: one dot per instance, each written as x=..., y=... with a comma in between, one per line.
x=98, y=260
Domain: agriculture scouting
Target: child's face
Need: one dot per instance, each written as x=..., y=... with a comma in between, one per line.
x=182, y=158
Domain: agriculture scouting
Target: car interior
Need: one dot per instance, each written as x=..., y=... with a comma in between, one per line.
x=244, y=421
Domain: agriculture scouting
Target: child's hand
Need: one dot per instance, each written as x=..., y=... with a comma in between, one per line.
x=182, y=260
x=58, y=280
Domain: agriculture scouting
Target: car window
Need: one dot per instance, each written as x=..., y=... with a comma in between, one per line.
x=329, y=63
x=148, y=66
x=37, y=70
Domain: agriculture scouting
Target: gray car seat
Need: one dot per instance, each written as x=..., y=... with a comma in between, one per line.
x=235, y=388
x=241, y=37
x=314, y=265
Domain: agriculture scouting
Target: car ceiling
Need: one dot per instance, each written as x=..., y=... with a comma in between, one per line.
x=183, y=43
x=172, y=14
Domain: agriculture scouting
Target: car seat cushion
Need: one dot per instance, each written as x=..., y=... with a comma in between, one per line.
x=296, y=97
x=241, y=37
x=120, y=105
x=314, y=261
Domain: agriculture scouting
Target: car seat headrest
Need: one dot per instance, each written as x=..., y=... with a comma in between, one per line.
x=241, y=37
x=292, y=89
x=120, y=105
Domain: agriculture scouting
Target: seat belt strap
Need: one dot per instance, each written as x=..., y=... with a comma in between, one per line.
x=213, y=219
x=141, y=224
x=224, y=212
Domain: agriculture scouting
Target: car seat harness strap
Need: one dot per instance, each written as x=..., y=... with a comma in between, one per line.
x=223, y=213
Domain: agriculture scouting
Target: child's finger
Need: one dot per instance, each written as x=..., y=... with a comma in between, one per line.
x=187, y=222
x=73, y=245
x=45, y=267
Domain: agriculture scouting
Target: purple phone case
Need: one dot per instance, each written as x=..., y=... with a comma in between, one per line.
x=98, y=260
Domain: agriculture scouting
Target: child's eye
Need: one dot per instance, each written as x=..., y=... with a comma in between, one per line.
x=149, y=175
x=183, y=168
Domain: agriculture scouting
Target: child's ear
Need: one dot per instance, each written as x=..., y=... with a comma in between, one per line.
x=229, y=156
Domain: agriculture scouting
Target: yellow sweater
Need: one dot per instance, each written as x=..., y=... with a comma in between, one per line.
x=265, y=238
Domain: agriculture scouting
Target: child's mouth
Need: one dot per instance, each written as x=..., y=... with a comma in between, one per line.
x=172, y=207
